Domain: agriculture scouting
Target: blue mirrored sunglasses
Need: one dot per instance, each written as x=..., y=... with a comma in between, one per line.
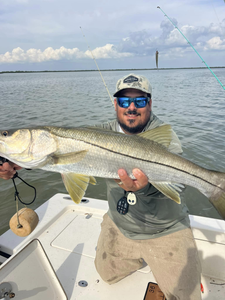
x=139, y=102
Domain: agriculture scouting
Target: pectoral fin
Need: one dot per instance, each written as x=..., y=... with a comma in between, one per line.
x=69, y=158
x=170, y=190
x=76, y=185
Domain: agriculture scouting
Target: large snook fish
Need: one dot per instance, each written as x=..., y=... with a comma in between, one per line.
x=79, y=154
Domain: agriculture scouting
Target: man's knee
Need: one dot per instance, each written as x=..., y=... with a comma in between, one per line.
x=113, y=270
x=106, y=274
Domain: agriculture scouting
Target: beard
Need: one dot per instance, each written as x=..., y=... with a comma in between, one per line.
x=131, y=129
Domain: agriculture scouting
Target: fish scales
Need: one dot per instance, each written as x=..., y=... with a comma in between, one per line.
x=142, y=149
x=103, y=151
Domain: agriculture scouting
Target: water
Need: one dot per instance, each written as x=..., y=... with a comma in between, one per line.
x=191, y=100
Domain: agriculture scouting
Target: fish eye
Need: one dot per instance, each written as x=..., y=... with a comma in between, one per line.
x=5, y=133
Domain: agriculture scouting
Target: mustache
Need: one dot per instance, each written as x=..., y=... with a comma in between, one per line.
x=131, y=112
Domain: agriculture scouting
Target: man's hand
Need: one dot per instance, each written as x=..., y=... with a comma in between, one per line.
x=8, y=169
x=132, y=185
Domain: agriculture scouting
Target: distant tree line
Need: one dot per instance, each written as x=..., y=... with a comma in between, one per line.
x=153, y=69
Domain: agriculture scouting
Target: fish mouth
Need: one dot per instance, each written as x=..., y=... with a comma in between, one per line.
x=2, y=148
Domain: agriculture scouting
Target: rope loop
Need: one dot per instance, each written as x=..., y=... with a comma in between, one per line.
x=17, y=193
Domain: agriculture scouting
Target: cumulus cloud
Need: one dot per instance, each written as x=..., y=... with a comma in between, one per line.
x=139, y=42
x=201, y=37
x=108, y=51
x=36, y=55
x=167, y=27
x=215, y=43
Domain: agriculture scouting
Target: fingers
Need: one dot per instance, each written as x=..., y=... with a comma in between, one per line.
x=8, y=170
x=16, y=167
x=141, y=177
x=129, y=184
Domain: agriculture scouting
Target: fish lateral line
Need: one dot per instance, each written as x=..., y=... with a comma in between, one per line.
x=151, y=162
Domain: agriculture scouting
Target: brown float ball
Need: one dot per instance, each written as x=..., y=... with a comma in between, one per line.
x=27, y=218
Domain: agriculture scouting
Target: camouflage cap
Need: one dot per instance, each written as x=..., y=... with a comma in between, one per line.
x=133, y=81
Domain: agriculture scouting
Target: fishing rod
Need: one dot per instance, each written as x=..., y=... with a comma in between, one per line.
x=97, y=67
x=193, y=48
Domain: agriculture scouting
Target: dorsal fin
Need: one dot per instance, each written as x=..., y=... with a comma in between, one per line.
x=161, y=135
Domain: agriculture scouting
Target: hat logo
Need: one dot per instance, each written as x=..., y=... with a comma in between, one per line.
x=130, y=79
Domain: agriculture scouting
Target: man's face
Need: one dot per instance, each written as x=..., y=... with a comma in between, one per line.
x=133, y=120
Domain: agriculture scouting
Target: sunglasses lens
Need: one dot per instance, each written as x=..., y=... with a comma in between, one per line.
x=124, y=102
x=139, y=102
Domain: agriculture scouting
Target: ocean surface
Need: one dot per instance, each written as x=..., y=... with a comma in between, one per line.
x=191, y=100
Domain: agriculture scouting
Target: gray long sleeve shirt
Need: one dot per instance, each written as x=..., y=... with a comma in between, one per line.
x=154, y=215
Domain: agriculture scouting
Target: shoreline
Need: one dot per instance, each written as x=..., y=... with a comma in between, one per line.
x=111, y=70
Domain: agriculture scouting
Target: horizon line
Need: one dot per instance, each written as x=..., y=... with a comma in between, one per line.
x=104, y=70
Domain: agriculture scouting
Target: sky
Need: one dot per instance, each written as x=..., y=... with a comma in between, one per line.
x=38, y=35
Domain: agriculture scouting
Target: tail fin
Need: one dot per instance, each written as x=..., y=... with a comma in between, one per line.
x=219, y=204
x=218, y=197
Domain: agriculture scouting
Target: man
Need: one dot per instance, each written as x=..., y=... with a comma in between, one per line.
x=153, y=228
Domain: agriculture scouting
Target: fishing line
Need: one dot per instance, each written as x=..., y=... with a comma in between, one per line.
x=217, y=18
x=193, y=48
x=97, y=67
x=215, y=12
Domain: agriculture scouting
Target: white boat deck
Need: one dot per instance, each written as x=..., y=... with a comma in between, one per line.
x=69, y=234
